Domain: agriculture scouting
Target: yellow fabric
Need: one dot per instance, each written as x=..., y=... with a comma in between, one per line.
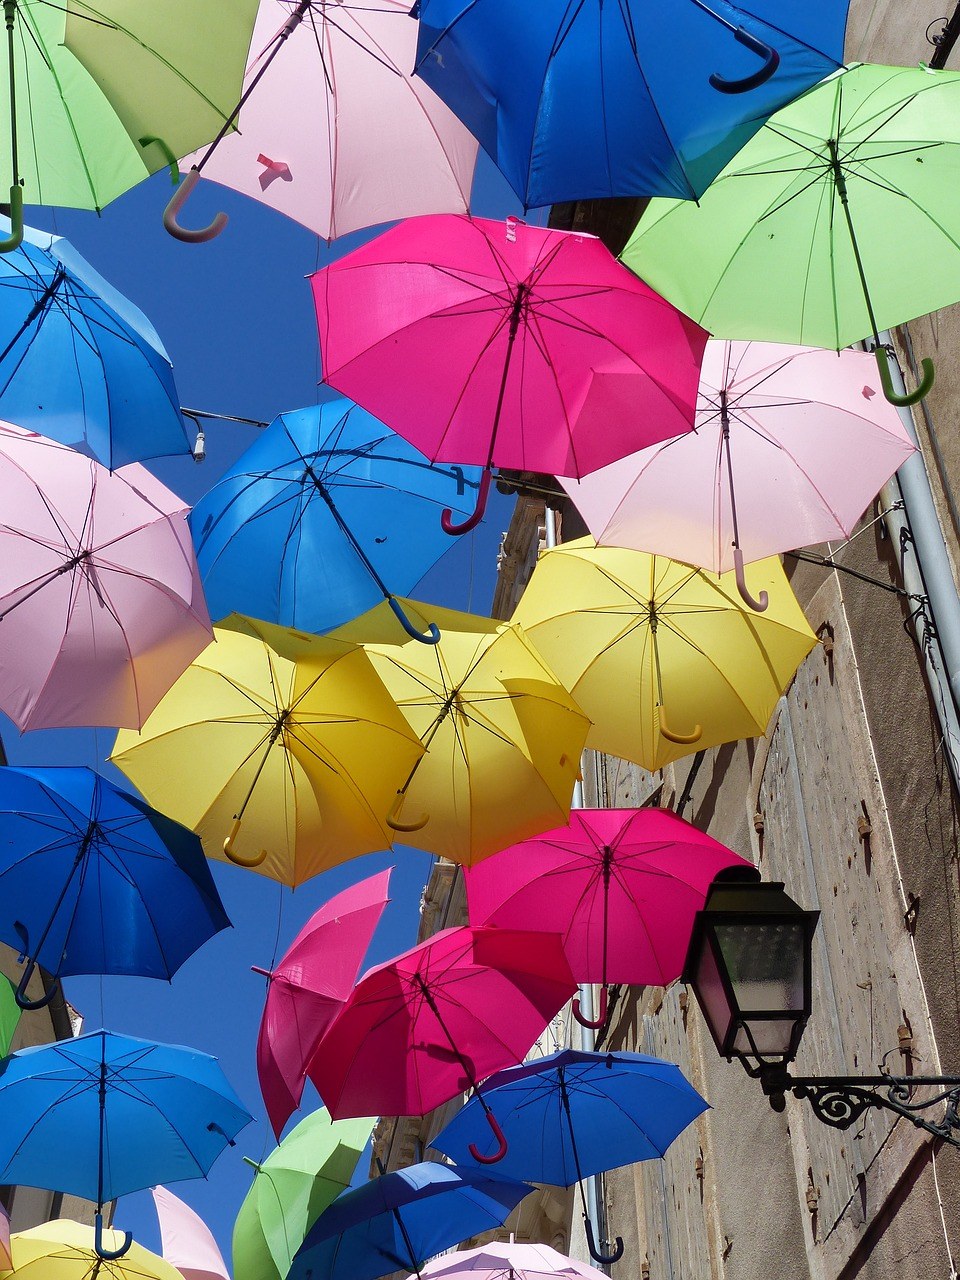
x=327, y=779
x=63, y=1250
x=723, y=666
x=501, y=763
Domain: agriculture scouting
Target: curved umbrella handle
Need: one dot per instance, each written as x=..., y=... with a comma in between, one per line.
x=585, y=1022
x=20, y=995
x=15, y=238
x=771, y=60
x=393, y=818
x=763, y=599
x=109, y=1255
x=236, y=858
x=606, y=1259
x=681, y=739
x=471, y=522
x=498, y=1133
x=176, y=203
x=150, y=139
x=910, y=397
x=430, y=636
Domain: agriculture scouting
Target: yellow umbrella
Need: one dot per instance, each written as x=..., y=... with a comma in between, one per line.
x=664, y=658
x=63, y=1250
x=502, y=736
x=286, y=744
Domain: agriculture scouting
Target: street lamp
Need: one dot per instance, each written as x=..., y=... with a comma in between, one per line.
x=750, y=966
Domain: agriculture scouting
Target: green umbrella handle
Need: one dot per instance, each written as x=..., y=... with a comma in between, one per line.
x=15, y=238
x=236, y=858
x=910, y=397
x=177, y=201
x=759, y=604
x=150, y=139
x=681, y=739
x=393, y=817
x=109, y=1255
x=771, y=60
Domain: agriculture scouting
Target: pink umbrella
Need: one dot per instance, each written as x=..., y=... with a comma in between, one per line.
x=790, y=445
x=6, y=1259
x=187, y=1241
x=434, y=1021
x=621, y=886
x=335, y=130
x=498, y=1260
x=308, y=988
x=101, y=607
x=499, y=343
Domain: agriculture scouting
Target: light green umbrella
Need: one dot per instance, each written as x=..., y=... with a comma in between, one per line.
x=291, y=1188
x=838, y=220
x=9, y=1015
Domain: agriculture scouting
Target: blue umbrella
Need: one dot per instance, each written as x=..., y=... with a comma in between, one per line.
x=577, y=100
x=92, y=880
x=570, y=1115
x=79, y=362
x=103, y=1115
x=396, y=1221
x=325, y=515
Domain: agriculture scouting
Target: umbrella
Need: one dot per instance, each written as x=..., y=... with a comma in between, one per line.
x=395, y=1221
x=502, y=738
x=92, y=880
x=9, y=1016
x=79, y=362
x=660, y=655
x=187, y=1241
x=554, y=359
x=101, y=606
x=790, y=445
x=290, y=1190
x=621, y=886
x=102, y=1115
x=65, y=1250
x=575, y=102
x=435, y=1020
x=5, y=1258
x=570, y=1115
x=499, y=1260
x=308, y=987
x=822, y=201
x=337, y=133
x=312, y=523
x=296, y=751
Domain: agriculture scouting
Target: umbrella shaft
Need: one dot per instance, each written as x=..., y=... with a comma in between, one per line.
x=40, y=305
x=10, y=14
x=841, y=185
x=346, y=530
x=725, y=428
x=78, y=860
x=516, y=314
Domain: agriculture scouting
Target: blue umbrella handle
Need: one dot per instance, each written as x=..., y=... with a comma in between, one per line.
x=763, y=600
x=430, y=636
x=393, y=817
x=498, y=1133
x=237, y=859
x=911, y=397
x=771, y=60
x=109, y=1255
x=15, y=238
x=176, y=203
x=585, y=1022
x=472, y=520
x=606, y=1259
x=20, y=995
x=150, y=139
x=681, y=739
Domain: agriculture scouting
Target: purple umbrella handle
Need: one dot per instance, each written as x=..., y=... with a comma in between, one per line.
x=236, y=858
x=471, y=522
x=606, y=1259
x=585, y=1022
x=681, y=739
x=759, y=604
x=771, y=60
x=109, y=1255
x=498, y=1133
x=177, y=201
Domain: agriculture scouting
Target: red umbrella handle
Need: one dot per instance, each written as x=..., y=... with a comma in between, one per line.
x=585, y=1022
x=498, y=1133
x=471, y=522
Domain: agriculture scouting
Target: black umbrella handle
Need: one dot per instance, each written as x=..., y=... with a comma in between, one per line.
x=771, y=60
x=605, y=1259
x=21, y=997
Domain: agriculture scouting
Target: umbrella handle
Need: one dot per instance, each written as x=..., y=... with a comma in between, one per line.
x=176, y=203
x=911, y=397
x=109, y=1255
x=15, y=238
x=237, y=859
x=472, y=520
x=771, y=60
x=430, y=636
x=606, y=1259
x=498, y=1133
x=20, y=995
x=762, y=600
x=682, y=739
x=393, y=817
x=150, y=139
x=585, y=1022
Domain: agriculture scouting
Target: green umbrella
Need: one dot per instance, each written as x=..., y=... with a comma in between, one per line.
x=838, y=220
x=292, y=1187
x=9, y=1014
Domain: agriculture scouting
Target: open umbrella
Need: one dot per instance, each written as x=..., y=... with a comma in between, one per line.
x=664, y=658
x=187, y=1241
x=575, y=102
x=307, y=989
x=9, y=1016
x=502, y=1260
x=65, y=1250
x=5, y=1259
x=101, y=1115
x=554, y=359
x=789, y=446
x=570, y=1115
x=794, y=241
x=296, y=751
x=92, y=880
x=621, y=887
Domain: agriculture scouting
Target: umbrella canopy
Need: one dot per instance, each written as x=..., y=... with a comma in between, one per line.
x=187, y=1241
x=9, y=1020
x=79, y=362
x=307, y=990
x=291, y=1188
x=336, y=132
x=554, y=359
x=5, y=1258
x=498, y=1260
x=395, y=1221
x=92, y=880
x=664, y=658
x=579, y=102
x=296, y=750
x=502, y=738
x=323, y=516
x=65, y=1250
x=790, y=445
x=821, y=201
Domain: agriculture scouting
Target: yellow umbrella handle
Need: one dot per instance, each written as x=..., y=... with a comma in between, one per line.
x=235, y=858
x=393, y=817
x=682, y=739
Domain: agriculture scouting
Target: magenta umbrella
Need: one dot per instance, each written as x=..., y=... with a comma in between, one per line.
x=101, y=606
x=434, y=1021
x=308, y=989
x=621, y=886
x=504, y=344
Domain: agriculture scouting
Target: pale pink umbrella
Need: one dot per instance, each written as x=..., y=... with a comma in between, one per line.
x=790, y=445
x=186, y=1241
x=334, y=128
x=101, y=605
x=308, y=988
x=499, y=1260
x=503, y=344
